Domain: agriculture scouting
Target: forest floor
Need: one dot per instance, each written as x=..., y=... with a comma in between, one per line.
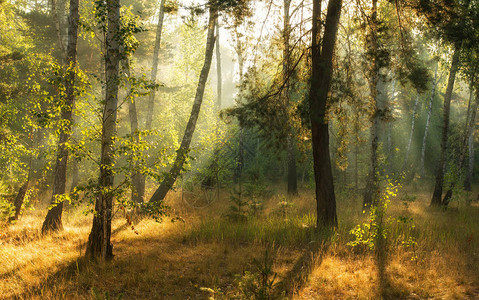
x=428, y=254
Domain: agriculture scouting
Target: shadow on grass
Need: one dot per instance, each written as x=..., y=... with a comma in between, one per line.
x=298, y=276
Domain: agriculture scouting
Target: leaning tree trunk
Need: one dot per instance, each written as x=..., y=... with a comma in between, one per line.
x=182, y=152
x=437, y=195
x=322, y=69
x=428, y=121
x=371, y=191
x=137, y=179
x=99, y=245
x=413, y=122
x=292, y=176
x=53, y=220
x=22, y=191
x=154, y=70
x=462, y=149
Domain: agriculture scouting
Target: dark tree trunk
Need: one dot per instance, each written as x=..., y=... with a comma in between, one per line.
x=19, y=201
x=371, y=192
x=99, y=245
x=53, y=220
x=322, y=64
x=182, y=152
x=154, y=70
x=437, y=195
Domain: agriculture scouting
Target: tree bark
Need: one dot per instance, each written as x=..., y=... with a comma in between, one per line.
x=463, y=150
x=219, y=87
x=53, y=220
x=154, y=70
x=19, y=201
x=437, y=195
x=75, y=175
x=371, y=192
x=428, y=121
x=322, y=65
x=58, y=12
x=99, y=245
x=138, y=180
x=470, y=139
x=182, y=152
x=413, y=122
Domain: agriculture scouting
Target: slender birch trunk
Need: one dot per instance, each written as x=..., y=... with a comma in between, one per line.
x=428, y=121
x=137, y=179
x=182, y=152
x=154, y=70
x=99, y=245
x=413, y=122
x=219, y=87
x=437, y=195
x=371, y=191
x=53, y=220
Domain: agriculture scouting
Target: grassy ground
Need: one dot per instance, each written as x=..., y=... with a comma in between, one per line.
x=276, y=254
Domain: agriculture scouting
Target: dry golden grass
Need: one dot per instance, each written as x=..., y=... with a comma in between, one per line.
x=175, y=260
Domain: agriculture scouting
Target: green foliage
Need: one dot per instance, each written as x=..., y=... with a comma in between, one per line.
x=366, y=236
x=238, y=211
x=381, y=231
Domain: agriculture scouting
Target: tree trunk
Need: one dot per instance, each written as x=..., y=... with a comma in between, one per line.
x=428, y=121
x=413, y=122
x=75, y=175
x=322, y=65
x=99, y=245
x=137, y=179
x=371, y=192
x=463, y=149
x=154, y=70
x=390, y=151
x=437, y=195
x=58, y=12
x=53, y=220
x=470, y=139
x=19, y=201
x=292, y=176
x=182, y=152
x=218, y=68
